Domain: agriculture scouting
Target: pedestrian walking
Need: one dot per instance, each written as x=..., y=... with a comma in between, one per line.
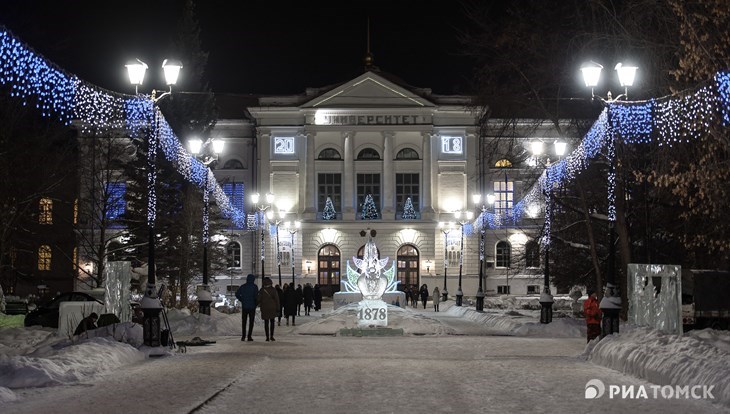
x=414, y=296
x=268, y=301
x=317, y=298
x=279, y=312
x=424, y=295
x=308, y=293
x=246, y=294
x=300, y=299
x=592, y=312
x=408, y=295
x=290, y=304
x=436, y=298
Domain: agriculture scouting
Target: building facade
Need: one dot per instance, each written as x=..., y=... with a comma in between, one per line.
x=323, y=154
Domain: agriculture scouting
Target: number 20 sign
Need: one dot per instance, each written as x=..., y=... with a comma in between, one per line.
x=372, y=312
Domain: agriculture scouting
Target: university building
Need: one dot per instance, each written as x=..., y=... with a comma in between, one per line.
x=372, y=135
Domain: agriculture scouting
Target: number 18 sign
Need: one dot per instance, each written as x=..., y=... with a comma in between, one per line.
x=372, y=312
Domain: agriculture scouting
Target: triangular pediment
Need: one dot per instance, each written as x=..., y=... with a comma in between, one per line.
x=368, y=90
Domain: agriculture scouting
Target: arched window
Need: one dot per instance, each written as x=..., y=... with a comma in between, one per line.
x=368, y=154
x=407, y=260
x=361, y=252
x=329, y=154
x=407, y=154
x=44, y=257
x=532, y=254
x=233, y=164
x=328, y=269
x=45, y=211
x=504, y=253
x=503, y=163
x=233, y=254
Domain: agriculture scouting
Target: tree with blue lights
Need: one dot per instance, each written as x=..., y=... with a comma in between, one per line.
x=409, y=213
x=369, y=210
x=329, y=212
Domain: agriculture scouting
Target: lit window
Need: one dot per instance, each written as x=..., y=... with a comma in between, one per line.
x=503, y=163
x=45, y=211
x=116, y=205
x=44, y=257
x=503, y=196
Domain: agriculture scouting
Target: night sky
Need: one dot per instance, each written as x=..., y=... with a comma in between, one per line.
x=259, y=47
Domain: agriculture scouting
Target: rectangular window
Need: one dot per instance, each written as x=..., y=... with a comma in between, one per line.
x=234, y=192
x=407, y=185
x=368, y=184
x=503, y=289
x=116, y=205
x=329, y=185
x=533, y=289
x=503, y=196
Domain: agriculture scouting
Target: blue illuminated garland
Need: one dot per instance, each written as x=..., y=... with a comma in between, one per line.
x=54, y=92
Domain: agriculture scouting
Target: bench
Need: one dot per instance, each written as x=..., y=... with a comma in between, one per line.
x=16, y=308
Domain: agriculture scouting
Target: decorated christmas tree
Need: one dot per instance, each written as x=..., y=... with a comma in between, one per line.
x=369, y=211
x=329, y=212
x=409, y=213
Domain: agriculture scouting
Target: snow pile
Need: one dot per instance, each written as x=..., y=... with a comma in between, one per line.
x=64, y=363
x=20, y=341
x=513, y=323
x=667, y=359
x=183, y=322
x=719, y=339
x=412, y=323
x=525, y=302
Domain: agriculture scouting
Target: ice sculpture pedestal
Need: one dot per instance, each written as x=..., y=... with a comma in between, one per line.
x=372, y=313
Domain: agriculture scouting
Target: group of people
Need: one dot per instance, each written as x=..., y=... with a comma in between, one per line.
x=413, y=294
x=274, y=302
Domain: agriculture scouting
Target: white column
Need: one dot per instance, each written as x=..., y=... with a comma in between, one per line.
x=388, y=193
x=427, y=210
x=308, y=197
x=348, y=181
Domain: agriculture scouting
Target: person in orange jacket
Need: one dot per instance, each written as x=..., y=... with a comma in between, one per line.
x=592, y=312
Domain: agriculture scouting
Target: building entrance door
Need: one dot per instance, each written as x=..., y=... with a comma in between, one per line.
x=328, y=269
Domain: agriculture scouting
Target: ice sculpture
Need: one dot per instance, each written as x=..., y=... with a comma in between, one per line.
x=655, y=296
x=371, y=278
x=118, y=279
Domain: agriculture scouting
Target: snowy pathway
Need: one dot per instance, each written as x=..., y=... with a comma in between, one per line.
x=309, y=374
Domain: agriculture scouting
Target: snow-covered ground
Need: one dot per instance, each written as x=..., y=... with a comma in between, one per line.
x=38, y=357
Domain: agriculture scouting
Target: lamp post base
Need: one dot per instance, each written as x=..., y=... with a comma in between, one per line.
x=151, y=307
x=459, y=296
x=480, y=300
x=444, y=295
x=546, y=302
x=611, y=308
x=204, y=300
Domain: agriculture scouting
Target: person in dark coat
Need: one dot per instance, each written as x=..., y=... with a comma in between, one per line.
x=268, y=301
x=87, y=324
x=308, y=293
x=281, y=302
x=414, y=296
x=300, y=299
x=317, y=298
x=424, y=295
x=247, y=294
x=291, y=300
x=408, y=295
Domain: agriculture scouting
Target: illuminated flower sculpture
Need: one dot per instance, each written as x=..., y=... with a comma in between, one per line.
x=371, y=279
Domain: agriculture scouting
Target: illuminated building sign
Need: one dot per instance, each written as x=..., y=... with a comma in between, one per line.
x=452, y=145
x=284, y=145
x=329, y=119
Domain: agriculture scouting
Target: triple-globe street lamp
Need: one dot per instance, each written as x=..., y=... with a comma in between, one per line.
x=446, y=228
x=292, y=228
x=546, y=297
x=150, y=303
x=462, y=217
x=611, y=301
x=207, y=152
x=477, y=198
x=275, y=220
x=255, y=198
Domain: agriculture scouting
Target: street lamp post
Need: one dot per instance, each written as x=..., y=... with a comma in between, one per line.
x=469, y=216
x=262, y=223
x=207, y=152
x=446, y=228
x=546, y=297
x=292, y=229
x=276, y=221
x=611, y=301
x=477, y=198
x=150, y=303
